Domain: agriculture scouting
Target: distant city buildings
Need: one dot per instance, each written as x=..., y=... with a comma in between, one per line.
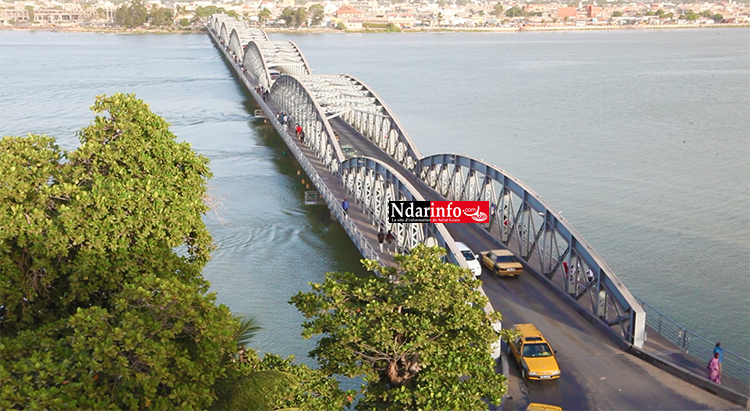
x=361, y=14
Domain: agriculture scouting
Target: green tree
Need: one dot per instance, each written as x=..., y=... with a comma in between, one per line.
x=207, y=11
x=132, y=15
x=439, y=18
x=290, y=19
x=300, y=17
x=497, y=11
x=104, y=304
x=264, y=15
x=690, y=15
x=78, y=225
x=316, y=14
x=30, y=9
x=417, y=334
x=184, y=22
x=617, y=13
x=158, y=345
x=514, y=11
x=340, y=26
x=160, y=17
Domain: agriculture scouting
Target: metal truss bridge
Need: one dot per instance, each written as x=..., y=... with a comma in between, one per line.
x=336, y=110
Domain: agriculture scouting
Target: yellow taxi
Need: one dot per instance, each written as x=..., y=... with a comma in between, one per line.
x=534, y=406
x=534, y=355
x=501, y=262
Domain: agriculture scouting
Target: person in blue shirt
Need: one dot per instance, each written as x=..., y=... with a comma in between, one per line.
x=345, y=205
x=720, y=351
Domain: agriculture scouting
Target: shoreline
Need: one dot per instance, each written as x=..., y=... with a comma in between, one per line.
x=411, y=30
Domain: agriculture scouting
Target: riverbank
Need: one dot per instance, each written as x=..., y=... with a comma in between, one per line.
x=565, y=28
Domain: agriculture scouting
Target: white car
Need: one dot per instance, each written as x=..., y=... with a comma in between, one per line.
x=471, y=258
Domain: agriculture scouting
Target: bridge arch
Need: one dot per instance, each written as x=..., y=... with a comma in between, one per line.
x=215, y=21
x=373, y=184
x=294, y=98
x=284, y=56
x=525, y=223
x=241, y=36
x=344, y=96
x=223, y=32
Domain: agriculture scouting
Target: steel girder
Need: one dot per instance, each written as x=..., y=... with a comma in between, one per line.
x=372, y=184
x=357, y=104
x=295, y=99
x=242, y=35
x=284, y=56
x=227, y=25
x=216, y=19
x=525, y=223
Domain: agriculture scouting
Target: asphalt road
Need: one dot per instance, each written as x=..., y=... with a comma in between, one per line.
x=596, y=374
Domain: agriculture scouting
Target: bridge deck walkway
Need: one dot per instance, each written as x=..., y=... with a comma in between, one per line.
x=596, y=373
x=333, y=182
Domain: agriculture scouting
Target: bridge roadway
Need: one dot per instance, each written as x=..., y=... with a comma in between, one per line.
x=596, y=373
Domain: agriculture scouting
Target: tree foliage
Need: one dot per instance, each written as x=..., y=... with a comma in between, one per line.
x=160, y=17
x=79, y=225
x=131, y=15
x=417, y=334
x=103, y=301
x=392, y=28
x=294, y=17
x=316, y=14
x=98, y=308
x=264, y=15
x=514, y=11
x=497, y=10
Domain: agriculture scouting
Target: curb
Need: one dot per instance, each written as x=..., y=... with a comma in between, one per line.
x=691, y=378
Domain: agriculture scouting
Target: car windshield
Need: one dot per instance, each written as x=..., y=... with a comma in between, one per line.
x=536, y=350
x=505, y=259
x=468, y=255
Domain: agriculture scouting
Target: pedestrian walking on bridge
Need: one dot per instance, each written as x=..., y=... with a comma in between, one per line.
x=714, y=369
x=720, y=351
x=391, y=242
x=381, y=238
x=345, y=205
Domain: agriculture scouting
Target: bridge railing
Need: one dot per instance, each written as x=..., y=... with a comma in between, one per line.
x=527, y=225
x=696, y=345
x=359, y=240
x=362, y=244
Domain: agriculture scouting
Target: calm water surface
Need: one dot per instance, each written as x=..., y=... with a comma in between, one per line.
x=641, y=138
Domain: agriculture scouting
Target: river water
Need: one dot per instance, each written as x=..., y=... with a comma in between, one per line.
x=641, y=138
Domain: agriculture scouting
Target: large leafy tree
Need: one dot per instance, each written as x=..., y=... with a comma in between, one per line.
x=158, y=346
x=101, y=253
x=160, y=17
x=77, y=226
x=132, y=15
x=102, y=301
x=316, y=14
x=417, y=333
x=264, y=15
